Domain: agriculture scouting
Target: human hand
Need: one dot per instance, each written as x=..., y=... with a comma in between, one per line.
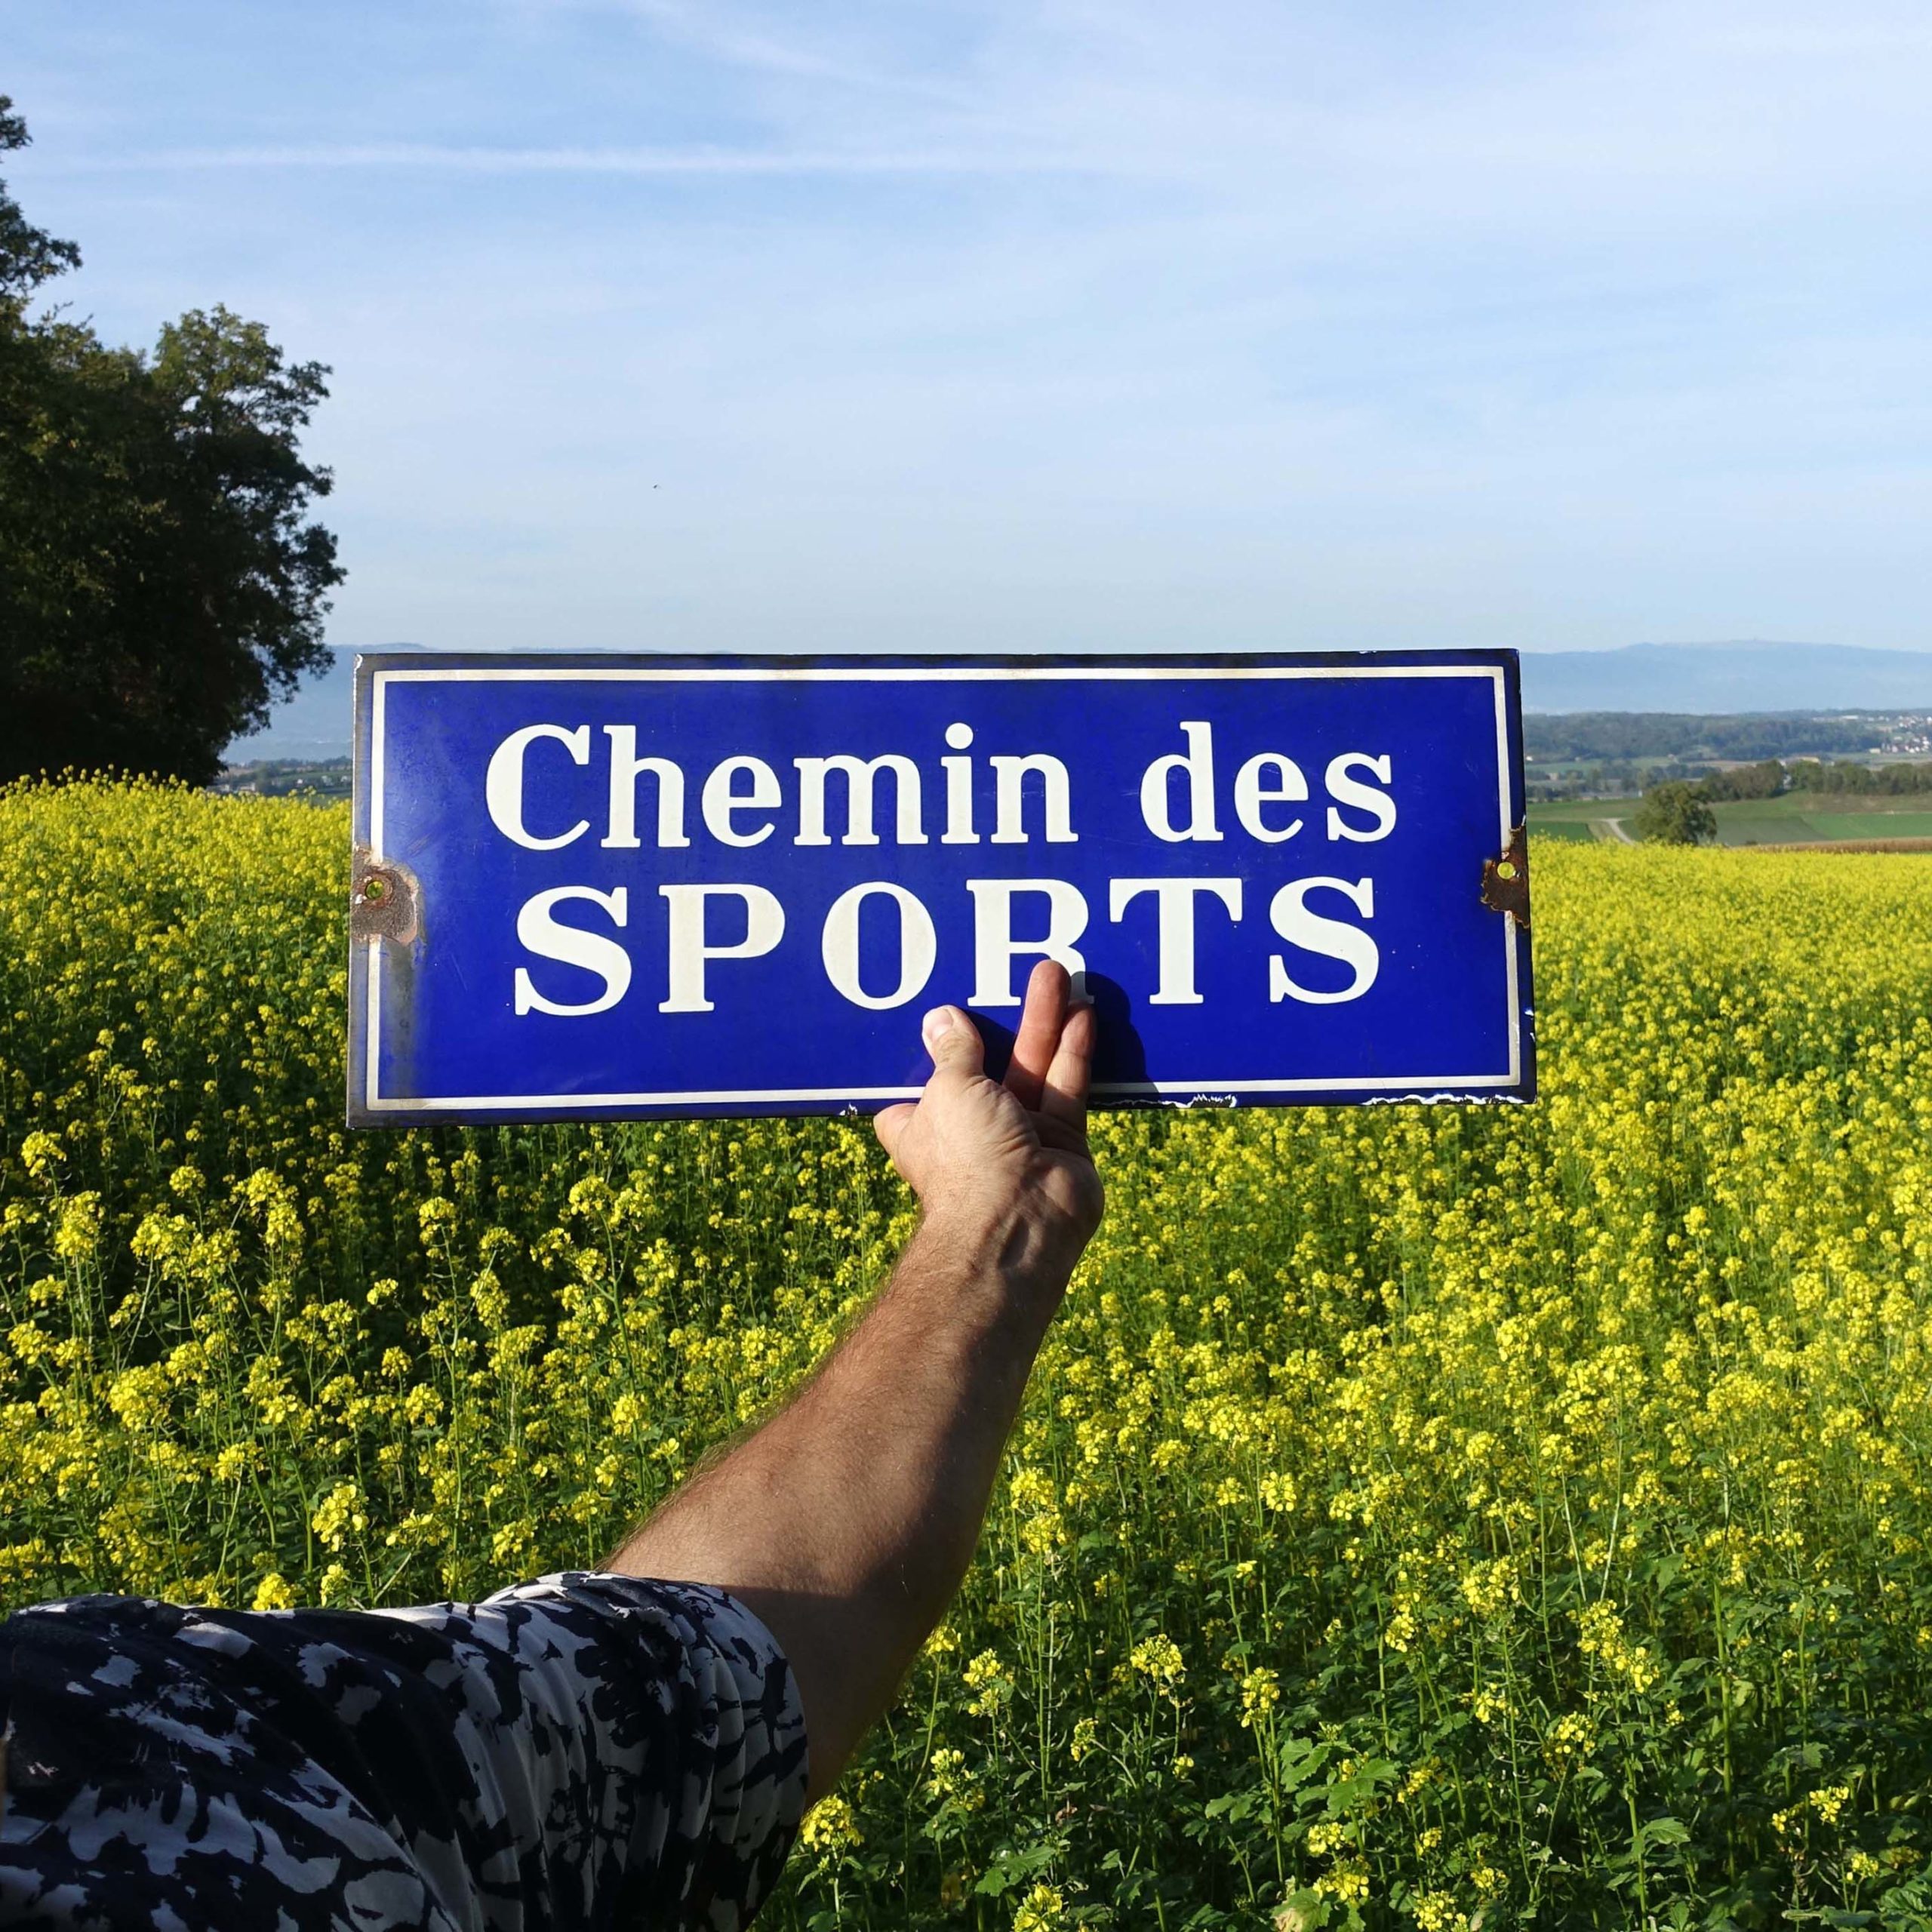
x=1005, y=1161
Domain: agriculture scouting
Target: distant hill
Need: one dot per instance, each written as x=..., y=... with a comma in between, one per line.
x=1723, y=678
x=1706, y=678
x=313, y=723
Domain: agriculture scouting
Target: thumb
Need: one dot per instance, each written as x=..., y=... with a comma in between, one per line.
x=953, y=1041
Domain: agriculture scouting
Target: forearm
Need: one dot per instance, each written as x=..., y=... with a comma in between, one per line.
x=848, y=1521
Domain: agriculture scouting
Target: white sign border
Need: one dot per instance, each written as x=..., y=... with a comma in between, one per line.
x=375, y=1104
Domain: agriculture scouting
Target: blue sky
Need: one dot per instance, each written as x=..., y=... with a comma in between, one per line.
x=1027, y=327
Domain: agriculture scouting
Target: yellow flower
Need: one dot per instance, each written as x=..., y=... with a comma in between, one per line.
x=1158, y=1658
x=1042, y=1908
x=993, y=1681
x=77, y=1231
x=273, y=1593
x=1260, y=1692
x=40, y=1154
x=1435, y=1912
x=829, y=1827
x=1830, y=1801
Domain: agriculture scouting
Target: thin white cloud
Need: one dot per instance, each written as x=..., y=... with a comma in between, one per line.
x=711, y=32
x=732, y=39
x=471, y=160
x=481, y=160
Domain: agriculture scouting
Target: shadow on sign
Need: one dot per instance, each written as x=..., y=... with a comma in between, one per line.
x=1121, y=1058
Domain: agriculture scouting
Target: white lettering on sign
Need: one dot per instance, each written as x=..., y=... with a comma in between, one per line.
x=1331, y=938
x=1288, y=787
x=502, y=783
x=743, y=801
x=995, y=948
x=1010, y=813
x=959, y=789
x=626, y=768
x=919, y=946
x=692, y=942
x=722, y=799
x=537, y=932
x=1174, y=902
x=859, y=775
x=1198, y=763
x=1348, y=790
x=739, y=786
x=691, y=948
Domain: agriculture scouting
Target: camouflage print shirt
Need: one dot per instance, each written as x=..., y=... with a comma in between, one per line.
x=584, y=1752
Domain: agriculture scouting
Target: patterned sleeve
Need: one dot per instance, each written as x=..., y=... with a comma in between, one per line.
x=658, y=1736
x=585, y=1751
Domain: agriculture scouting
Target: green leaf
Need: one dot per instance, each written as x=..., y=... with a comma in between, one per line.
x=1302, y=1912
x=1662, y=1830
x=1014, y=1869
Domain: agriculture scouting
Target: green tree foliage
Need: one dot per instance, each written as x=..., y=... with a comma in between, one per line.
x=1772, y=776
x=161, y=583
x=1675, y=814
x=1869, y=780
x=1765, y=779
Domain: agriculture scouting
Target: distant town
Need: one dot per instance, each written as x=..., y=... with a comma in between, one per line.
x=287, y=778
x=1621, y=753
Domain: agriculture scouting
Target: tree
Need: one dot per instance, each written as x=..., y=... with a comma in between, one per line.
x=160, y=583
x=1675, y=814
x=1765, y=779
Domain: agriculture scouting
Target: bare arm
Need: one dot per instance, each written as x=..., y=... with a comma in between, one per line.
x=848, y=1521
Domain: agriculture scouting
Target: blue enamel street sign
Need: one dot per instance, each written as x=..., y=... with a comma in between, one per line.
x=595, y=887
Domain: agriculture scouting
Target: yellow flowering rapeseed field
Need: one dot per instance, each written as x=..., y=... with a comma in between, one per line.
x=1443, y=1517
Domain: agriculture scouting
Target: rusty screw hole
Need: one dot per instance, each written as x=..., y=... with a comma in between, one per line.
x=374, y=889
x=1505, y=868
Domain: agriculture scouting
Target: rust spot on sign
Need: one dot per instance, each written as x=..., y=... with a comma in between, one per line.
x=384, y=899
x=1505, y=880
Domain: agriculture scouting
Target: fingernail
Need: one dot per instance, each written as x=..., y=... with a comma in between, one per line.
x=936, y=1022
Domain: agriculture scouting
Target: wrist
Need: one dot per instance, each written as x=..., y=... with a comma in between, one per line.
x=1009, y=1243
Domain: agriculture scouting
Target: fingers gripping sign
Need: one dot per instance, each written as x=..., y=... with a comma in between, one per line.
x=992, y=1159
